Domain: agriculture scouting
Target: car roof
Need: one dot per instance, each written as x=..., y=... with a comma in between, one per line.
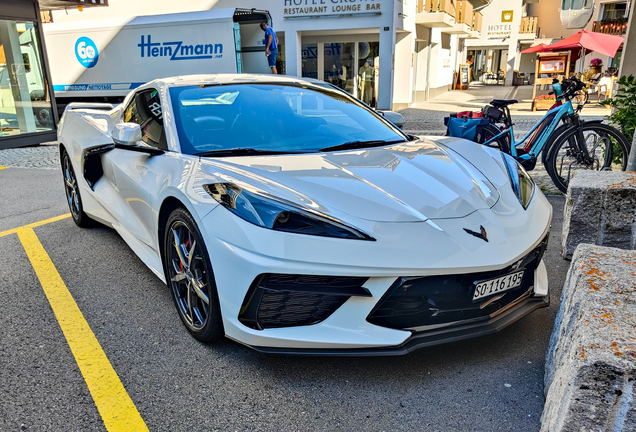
x=211, y=79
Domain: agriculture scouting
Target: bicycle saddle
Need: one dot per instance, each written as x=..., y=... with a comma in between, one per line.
x=502, y=103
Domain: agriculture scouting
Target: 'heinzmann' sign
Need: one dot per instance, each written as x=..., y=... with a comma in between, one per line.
x=318, y=8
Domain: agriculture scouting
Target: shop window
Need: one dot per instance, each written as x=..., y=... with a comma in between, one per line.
x=145, y=109
x=25, y=106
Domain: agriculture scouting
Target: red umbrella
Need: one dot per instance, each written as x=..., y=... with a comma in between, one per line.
x=536, y=48
x=599, y=42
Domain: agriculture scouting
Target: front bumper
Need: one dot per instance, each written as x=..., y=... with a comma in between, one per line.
x=428, y=338
x=240, y=252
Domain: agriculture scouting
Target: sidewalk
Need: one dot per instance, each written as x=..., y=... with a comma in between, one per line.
x=427, y=118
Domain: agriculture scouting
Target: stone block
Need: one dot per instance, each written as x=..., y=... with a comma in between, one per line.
x=591, y=360
x=600, y=208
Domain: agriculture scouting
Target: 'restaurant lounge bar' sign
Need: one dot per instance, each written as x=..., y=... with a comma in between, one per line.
x=320, y=8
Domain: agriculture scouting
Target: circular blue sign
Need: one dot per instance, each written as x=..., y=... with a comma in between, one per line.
x=86, y=52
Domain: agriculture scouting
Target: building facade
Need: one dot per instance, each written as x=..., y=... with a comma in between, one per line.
x=389, y=53
x=509, y=27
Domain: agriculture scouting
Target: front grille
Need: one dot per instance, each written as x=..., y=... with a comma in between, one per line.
x=441, y=300
x=279, y=300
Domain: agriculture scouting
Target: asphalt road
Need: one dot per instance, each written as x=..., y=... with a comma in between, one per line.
x=493, y=383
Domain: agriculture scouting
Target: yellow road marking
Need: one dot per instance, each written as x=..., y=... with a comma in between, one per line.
x=113, y=403
x=3, y=167
x=35, y=224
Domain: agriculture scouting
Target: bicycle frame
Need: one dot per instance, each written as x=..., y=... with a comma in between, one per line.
x=537, y=141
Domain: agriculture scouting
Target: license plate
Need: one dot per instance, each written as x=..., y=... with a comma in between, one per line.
x=493, y=286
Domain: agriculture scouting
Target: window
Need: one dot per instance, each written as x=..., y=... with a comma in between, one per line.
x=281, y=117
x=614, y=10
x=145, y=110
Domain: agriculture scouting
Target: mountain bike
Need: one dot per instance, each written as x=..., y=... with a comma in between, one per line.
x=566, y=143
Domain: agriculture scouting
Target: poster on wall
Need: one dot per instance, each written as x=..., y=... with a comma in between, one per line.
x=552, y=64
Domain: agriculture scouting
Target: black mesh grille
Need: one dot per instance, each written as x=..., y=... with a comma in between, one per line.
x=280, y=300
x=286, y=308
x=435, y=300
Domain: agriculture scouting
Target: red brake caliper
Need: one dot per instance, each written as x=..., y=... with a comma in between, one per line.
x=187, y=245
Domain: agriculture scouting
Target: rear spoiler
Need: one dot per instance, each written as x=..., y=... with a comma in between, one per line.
x=89, y=105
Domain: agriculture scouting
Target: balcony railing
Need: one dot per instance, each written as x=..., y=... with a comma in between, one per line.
x=616, y=26
x=529, y=25
x=447, y=6
x=477, y=19
x=464, y=14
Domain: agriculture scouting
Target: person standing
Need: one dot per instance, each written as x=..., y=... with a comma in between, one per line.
x=271, y=46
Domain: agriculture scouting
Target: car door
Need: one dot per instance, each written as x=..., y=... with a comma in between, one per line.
x=136, y=176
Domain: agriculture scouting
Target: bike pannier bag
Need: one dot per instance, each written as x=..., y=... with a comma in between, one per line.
x=464, y=128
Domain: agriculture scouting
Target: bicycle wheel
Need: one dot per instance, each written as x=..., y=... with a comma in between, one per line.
x=488, y=132
x=606, y=146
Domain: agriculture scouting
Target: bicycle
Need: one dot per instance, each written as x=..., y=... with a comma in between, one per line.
x=565, y=142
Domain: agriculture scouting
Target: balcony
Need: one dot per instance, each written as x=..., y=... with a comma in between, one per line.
x=463, y=19
x=617, y=26
x=475, y=26
x=529, y=28
x=436, y=13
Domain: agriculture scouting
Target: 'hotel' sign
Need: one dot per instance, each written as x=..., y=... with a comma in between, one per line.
x=324, y=8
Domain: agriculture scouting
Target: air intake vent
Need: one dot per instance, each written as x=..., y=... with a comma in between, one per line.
x=280, y=300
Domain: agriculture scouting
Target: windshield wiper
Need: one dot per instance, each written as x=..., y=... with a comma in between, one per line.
x=359, y=144
x=240, y=151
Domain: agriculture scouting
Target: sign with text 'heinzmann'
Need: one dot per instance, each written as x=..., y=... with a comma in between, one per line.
x=323, y=8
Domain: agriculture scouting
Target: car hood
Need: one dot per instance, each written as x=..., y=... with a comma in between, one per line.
x=407, y=182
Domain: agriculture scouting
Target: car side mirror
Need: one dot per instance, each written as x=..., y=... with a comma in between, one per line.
x=127, y=134
x=393, y=117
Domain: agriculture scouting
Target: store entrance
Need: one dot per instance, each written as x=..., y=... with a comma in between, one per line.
x=351, y=66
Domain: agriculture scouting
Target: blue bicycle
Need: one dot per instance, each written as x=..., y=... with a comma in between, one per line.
x=565, y=142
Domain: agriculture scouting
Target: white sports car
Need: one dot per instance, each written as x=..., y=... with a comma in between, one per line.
x=288, y=216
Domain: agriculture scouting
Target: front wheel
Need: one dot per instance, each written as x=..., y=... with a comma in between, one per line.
x=607, y=150
x=73, y=197
x=189, y=275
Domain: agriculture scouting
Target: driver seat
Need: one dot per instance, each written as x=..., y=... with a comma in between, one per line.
x=500, y=103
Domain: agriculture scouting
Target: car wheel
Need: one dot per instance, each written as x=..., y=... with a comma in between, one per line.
x=73, y=197
x=190, y=278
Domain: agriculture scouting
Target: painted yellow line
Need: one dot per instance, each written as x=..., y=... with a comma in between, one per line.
x=115, y=406
x=3, y=167
x=35, y=224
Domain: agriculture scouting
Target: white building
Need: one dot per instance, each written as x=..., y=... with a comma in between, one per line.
x=510, y=26
x=389, y=53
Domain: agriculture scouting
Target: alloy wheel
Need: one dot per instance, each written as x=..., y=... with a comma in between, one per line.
x=189, y=280
x=70, y=185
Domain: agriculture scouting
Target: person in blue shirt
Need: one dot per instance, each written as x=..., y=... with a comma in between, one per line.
x=271, y=46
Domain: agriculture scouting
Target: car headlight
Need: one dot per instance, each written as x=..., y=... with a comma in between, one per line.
x=279, y=215
x=522, y=184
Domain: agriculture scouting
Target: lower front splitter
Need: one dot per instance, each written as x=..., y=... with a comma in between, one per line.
x=426, y=338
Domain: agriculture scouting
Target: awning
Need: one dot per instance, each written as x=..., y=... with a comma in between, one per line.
x=598, y=42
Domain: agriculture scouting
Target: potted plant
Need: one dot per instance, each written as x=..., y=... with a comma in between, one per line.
x=596, y=65
x=543, y=102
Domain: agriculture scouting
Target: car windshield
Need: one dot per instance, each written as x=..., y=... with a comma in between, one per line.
x=273, y=118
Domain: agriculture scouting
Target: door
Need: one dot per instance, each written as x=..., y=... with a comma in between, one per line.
x=137, y=176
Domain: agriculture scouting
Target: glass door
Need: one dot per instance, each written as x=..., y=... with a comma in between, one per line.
x=339, y=65
x=309, y=55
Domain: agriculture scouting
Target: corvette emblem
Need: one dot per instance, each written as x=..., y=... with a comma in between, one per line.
x=481, y=235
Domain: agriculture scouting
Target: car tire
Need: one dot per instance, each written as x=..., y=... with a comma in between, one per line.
x=73, y=197
x=190, y=277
